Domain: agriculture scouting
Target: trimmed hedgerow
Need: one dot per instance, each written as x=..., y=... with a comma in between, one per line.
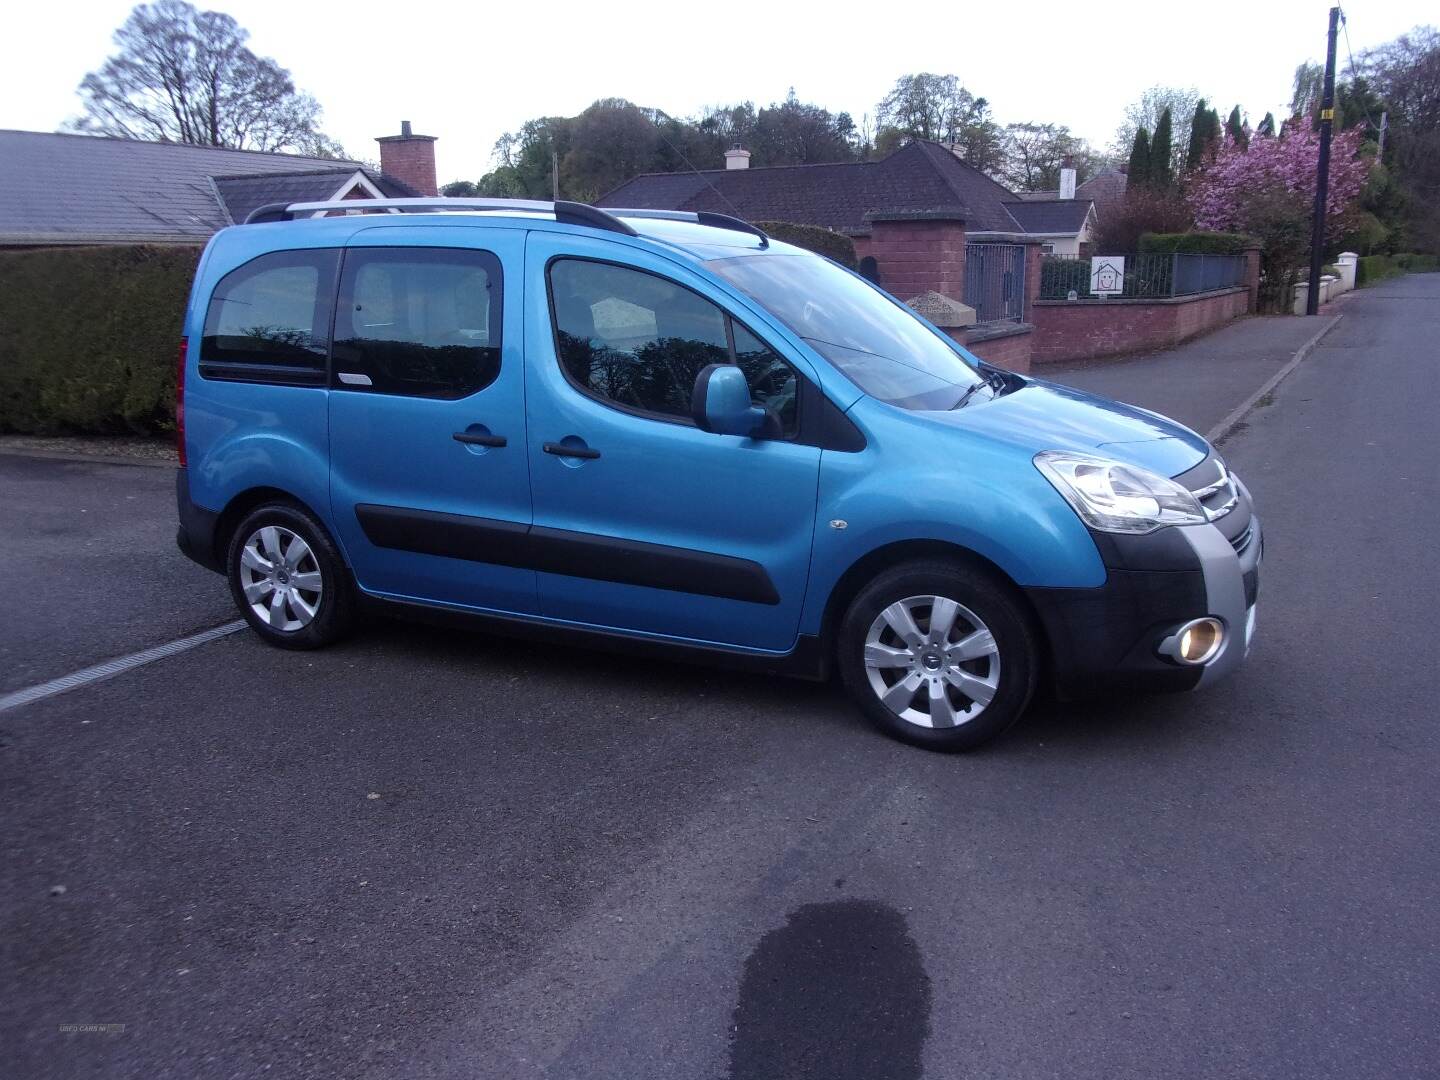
x=88, y=338
x=1196, y=243
x=823, y=241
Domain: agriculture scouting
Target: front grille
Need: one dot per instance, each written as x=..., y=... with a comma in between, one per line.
x=1213, y=487
x=1242, y=540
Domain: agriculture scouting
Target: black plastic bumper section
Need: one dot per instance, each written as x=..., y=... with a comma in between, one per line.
x=1104, y=639
x=196, y=536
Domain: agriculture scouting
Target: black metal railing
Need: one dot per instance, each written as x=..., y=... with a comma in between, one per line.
x=1146, y=277
x=995, y=282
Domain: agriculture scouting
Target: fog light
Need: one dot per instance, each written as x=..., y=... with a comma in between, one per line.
x=1196, y=642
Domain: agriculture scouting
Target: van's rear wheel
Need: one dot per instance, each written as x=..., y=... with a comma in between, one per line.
x=288, y=578
x=938, y=655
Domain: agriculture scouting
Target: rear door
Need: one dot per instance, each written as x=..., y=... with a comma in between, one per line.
x=429, y=478
x=643, y=522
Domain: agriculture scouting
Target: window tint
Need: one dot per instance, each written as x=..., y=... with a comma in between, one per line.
x=274, y=310
x=423, y=322
x=639, y=341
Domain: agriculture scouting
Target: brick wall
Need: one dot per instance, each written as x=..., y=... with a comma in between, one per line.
x=918, y=254
x=1010, y=350
x=1088, y=329
x=1252, y=278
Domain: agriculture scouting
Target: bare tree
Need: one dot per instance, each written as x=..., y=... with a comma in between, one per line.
x=1146, y=113
x=1035, y=153
x=184, y=75
x=927, y=106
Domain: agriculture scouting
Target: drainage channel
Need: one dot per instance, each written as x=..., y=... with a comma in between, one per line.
x=111, y=668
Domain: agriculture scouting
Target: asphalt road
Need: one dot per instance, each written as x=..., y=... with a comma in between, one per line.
x=425, y=854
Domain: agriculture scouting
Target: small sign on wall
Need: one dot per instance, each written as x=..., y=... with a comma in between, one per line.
x=1107, y=275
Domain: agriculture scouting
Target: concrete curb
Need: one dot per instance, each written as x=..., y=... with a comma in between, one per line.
x=92, y=459
x=1220, y=431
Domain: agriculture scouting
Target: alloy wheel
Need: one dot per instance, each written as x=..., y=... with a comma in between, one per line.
x=281, y=578
x=932, y=662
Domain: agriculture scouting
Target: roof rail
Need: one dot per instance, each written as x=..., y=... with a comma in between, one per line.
x=700, y=217
x=572, y=213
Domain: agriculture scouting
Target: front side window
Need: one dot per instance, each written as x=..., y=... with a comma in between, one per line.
x=636, y=340
x=420, y=322
x=273, y=312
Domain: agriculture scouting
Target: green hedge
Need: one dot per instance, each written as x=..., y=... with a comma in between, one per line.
x=1196, y=243
x=88, y=338
x=826, y=242
x=1418, y=264
x=1059, y=275
x=1372, y=268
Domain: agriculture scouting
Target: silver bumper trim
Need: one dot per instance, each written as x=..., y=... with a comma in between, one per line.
x=1225, y=572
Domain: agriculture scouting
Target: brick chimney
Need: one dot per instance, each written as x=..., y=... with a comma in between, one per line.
x=737, y=157
x=410, y=158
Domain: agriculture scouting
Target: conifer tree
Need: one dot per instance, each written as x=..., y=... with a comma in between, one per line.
x=1199, y=126
x=1235, y=128
x=1138, y=175
x=1162, y=170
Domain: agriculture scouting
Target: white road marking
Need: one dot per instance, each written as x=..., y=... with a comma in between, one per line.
x=110, y=668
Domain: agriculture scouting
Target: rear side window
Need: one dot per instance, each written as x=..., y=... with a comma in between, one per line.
x=420, y=322
x=638, y=341
x=269, y=320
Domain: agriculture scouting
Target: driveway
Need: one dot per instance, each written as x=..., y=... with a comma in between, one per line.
x=430, y=854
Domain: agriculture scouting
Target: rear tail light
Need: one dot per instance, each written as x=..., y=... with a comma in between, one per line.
x=180, y=400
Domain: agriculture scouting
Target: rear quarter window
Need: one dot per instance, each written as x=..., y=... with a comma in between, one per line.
x=271, y=317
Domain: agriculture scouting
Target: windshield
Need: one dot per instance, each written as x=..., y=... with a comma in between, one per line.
x=882, y=346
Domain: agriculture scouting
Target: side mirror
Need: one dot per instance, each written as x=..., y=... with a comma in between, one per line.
x=721, y=404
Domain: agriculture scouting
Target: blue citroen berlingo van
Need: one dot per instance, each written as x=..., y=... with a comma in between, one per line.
x=669, y=432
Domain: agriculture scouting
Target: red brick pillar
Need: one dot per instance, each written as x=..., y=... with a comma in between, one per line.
x=1252, y=279
x=919, y=252
x=1033, y=255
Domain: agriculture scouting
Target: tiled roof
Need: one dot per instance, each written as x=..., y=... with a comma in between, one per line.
x=920, y=176
x=242, y=194
x=1104, y=189
x=60, y=189
x=1056, y=216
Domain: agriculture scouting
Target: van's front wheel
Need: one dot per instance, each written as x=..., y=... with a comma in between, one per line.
x=288, y=579
x=938, y=655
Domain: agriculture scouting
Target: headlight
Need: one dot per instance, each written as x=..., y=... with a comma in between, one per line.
x=1114, y=497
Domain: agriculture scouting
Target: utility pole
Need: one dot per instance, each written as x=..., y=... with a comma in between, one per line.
x=555, y=175
x=1322, y=178
x=1384, y=126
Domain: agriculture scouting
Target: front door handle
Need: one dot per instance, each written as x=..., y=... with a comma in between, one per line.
x=475, y=438
x=561, y=450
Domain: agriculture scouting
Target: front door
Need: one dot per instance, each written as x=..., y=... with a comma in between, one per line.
x=428, y=470
x=643, y=522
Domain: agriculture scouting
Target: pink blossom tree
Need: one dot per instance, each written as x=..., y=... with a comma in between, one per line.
x=1268, y=191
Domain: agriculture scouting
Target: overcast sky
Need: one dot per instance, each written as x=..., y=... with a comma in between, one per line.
x=469, y=72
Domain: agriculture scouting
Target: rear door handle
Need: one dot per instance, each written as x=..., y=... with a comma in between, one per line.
x=472, y=438
x=561, y=450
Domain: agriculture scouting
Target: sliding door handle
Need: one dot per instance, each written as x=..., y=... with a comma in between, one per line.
x=475, y=438
x=562, y=450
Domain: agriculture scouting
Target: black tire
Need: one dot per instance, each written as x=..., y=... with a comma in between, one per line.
x=334, y=615
x=996, y=606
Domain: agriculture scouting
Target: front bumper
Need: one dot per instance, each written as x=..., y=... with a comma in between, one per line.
x=1106, y=639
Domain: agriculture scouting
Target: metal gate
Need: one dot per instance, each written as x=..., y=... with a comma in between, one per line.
x=995, y=281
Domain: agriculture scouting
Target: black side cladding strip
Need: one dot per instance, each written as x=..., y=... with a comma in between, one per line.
x=559, y=551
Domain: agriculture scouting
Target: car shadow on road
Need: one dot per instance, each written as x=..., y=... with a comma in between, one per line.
x=1132, y=721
